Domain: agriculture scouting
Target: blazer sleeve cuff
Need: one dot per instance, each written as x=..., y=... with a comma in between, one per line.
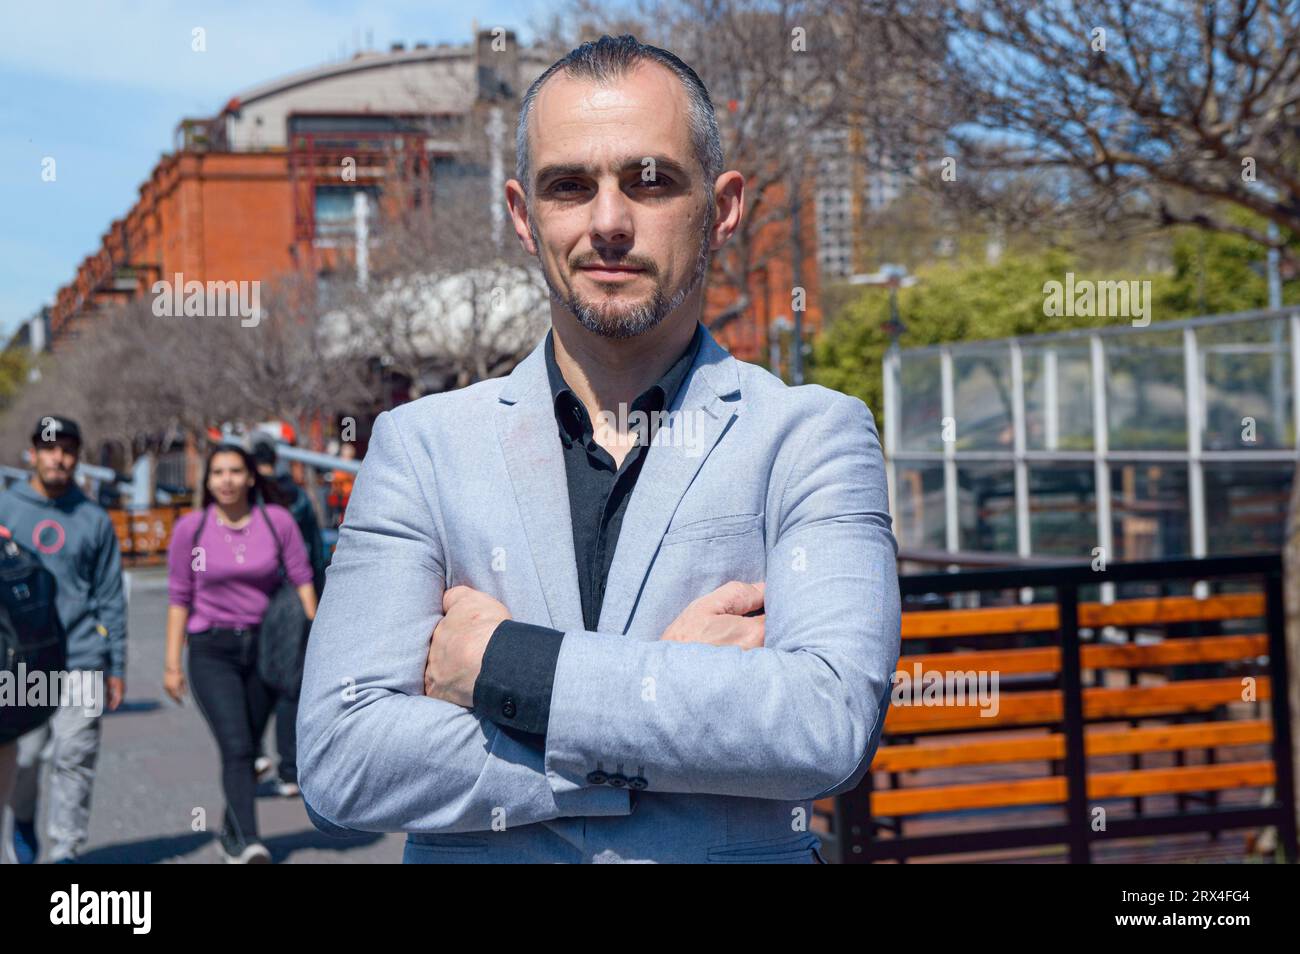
x=517, y=675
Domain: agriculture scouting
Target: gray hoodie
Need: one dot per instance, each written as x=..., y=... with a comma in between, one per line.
x=75, y=540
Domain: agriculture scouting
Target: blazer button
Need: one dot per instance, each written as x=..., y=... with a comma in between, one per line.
x=618, y=780
x=637, y=783
x=508, y=708
x=597, y=777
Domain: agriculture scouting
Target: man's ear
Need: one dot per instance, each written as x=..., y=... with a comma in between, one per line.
x=729, y=198
x=517, y=203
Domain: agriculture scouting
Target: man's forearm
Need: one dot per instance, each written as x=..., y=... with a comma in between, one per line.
x=397, y=762
x=701, y=719
x=511, y=694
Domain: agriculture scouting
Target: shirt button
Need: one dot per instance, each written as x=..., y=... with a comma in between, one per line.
x=508, y=708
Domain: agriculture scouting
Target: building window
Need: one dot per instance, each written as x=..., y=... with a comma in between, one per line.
x=335, y=212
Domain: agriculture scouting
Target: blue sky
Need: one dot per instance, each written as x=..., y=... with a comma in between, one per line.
x=100, y=86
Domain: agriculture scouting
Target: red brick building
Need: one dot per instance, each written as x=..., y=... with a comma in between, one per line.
x=256, y=191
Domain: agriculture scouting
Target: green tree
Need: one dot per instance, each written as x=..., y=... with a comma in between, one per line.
x=949, y=303
x=967, y=301
x=1218, y=274
x=14, y=367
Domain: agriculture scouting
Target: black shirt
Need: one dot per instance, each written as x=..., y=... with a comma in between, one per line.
x=518, y=671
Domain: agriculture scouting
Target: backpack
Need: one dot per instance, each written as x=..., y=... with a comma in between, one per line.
x=31, y=635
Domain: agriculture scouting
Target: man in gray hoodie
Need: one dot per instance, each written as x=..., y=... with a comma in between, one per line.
x=75, y=540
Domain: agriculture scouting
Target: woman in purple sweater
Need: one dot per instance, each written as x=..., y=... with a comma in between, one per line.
x=218, y=596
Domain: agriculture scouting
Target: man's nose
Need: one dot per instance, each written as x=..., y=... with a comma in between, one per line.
x=611, y=217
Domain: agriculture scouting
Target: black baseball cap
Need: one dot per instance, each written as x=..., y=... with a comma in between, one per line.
x=56, y=427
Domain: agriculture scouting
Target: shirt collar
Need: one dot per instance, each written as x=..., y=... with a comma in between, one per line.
x=572, y=415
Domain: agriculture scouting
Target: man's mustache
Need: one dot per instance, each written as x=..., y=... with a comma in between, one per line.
x=618, y=263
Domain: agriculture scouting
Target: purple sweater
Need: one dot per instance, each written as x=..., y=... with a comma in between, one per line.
x=230, y=591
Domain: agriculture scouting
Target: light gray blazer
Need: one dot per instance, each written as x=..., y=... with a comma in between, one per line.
x=748, y=479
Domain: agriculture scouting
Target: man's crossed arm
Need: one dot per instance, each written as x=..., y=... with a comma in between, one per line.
x=793, y=719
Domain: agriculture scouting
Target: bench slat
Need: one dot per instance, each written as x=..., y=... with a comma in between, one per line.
x=1049, y=791
x=930, y=624
x=1023, y=708
x=1047, y=659
x=904, y=758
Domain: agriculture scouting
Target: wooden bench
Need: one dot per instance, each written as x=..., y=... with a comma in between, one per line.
x=963, y=745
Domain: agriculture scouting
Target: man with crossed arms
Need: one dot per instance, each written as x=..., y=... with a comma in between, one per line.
x=556, y=629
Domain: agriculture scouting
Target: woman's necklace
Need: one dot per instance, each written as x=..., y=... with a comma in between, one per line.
x=238, y=547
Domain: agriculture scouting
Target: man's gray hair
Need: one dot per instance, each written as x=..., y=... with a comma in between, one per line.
x=610, y=58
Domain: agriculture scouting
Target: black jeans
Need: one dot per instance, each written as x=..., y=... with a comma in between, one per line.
x=286, y=739
x=235, y=703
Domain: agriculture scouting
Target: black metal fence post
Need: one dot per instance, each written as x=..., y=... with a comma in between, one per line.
x=1283, y=762
x=853, y=825
x=1076, y=761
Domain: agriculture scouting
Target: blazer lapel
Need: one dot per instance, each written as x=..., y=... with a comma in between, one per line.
x=525, y=423
x=708, y=400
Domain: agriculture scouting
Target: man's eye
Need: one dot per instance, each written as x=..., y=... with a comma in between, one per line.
x=656, y=182
x=559, y=186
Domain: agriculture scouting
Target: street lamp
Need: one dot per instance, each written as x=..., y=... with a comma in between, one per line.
x=892, y=277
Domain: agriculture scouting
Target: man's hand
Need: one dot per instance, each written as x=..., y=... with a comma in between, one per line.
x=116, y=692
x=459, y=641
x=718, y=618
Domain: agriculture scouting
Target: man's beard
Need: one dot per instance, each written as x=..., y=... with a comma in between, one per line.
x=613, y=321
x=53, y=480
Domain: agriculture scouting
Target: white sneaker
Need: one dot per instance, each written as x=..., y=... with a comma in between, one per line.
x=261, y=765
x=287, y=789
x=235, y=852
x=255, y=853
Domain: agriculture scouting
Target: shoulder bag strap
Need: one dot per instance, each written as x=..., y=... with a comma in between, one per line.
x=279, y=552
x=198, y=532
